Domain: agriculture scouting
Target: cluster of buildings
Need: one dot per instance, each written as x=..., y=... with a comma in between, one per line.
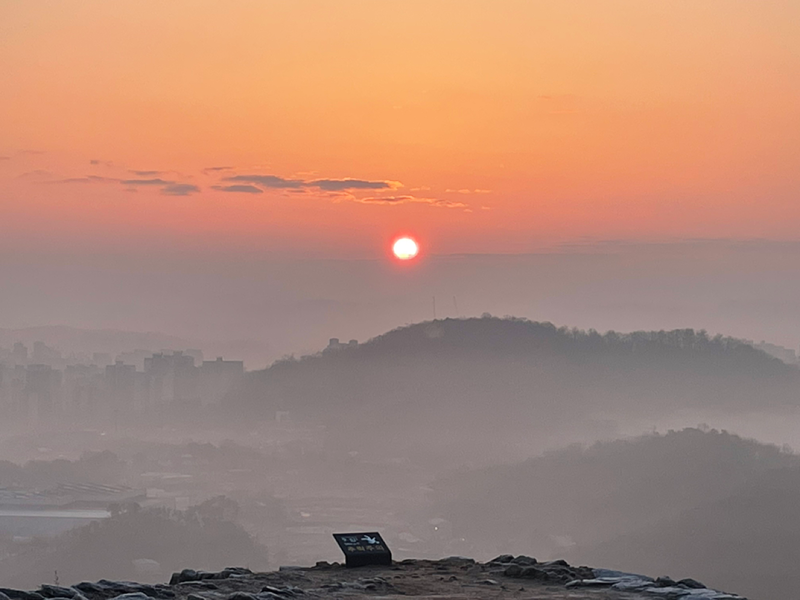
x=41, y=384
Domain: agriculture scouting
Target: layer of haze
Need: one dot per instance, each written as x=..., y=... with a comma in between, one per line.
x=229, y=176
x=262, y=307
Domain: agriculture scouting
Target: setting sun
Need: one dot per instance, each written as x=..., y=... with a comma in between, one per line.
x=405, y=248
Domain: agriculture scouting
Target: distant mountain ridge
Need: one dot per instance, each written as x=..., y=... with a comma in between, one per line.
x=700, y=503
x=456, y=381
x=511, y=335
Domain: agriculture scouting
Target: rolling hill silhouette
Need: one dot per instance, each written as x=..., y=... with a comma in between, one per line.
x=708, y=503
x=457, y=383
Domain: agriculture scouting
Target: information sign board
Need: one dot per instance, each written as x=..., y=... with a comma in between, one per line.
x=361, y=549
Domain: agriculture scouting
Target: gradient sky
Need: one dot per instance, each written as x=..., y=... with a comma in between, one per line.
x=318, y=130
x=483, y=126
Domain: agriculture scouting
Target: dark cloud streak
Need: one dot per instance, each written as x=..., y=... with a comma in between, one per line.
x=180, y=189
x=268, y=181
x=242, y=189
x=145, y=173
x=155, y=181
x=339, y=185
x=328, y=185
x=397, y=200
x=87, y=179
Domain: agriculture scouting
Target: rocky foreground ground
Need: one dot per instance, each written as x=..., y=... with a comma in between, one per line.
x=455, y=578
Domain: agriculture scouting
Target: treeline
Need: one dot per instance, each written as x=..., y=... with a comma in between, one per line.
x=513, y=335
x=91, y=467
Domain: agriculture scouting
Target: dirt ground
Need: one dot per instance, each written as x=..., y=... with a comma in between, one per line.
x=447, y=579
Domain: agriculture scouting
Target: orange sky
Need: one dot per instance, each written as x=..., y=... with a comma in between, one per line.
x=499, y=126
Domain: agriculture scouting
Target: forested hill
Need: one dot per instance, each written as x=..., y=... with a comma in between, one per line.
x=455, y=375
x=491, y=337
x=695, y=501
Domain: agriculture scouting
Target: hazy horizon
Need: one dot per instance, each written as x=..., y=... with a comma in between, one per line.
x=264, y=307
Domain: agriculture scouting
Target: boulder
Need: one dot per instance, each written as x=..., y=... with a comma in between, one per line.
x=241, y=596
x=133, y=596
x=56, y=591
x=692, y=584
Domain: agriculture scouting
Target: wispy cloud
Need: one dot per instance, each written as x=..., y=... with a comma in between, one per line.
x=240, y=188
x=468, y=191
x=36, y=174
x=268, y=181
x=155, y=181
x=328, y=185
x=339, y=185
x=180, y=189
x=5, y=158
x=216, y=169
x=87, y=179
x=168, y=187
x=145, y=173
x=397, y=200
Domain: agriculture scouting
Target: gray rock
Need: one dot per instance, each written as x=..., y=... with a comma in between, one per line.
x=4, y=597
x=512, y=570
x=632, y=584
x=532, y=572
x=123, y=588
x=596, y=582
x=284, y=591
x=56, y=591
x=133, y=596
x=458, y=560
x=183, y=576
x=524, y=561
x=88, y=587
x=619, y=574
x=191, y=575
x=232, y=571
x=669, y=592
x=691, y=584
x=200, y=585
x=241, y=596
x=554, y=563
x=21, y=595
x=502, y=559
